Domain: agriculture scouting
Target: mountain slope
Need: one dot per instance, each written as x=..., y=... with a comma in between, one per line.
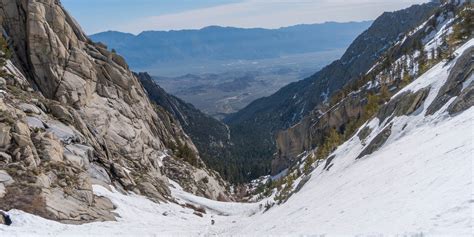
x=210, y=136
x=228, y=43
x=418, y=183
x=262, y=118
x=71, y=115
x=353, y=104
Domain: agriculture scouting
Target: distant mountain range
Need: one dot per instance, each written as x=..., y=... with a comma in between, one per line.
x=222, y=44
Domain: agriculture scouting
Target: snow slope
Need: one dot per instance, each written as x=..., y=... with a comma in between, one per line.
x=418, y=183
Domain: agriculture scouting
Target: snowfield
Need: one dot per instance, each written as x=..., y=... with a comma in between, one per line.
x=419, y=183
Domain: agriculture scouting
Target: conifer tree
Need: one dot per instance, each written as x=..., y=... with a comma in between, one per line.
x=384, y=93
x=422, y=62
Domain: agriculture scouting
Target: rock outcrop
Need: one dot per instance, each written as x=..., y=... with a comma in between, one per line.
x=464, y=101
x=211, y=137
x=200, y=181
x=403, y=104
x=377, y=142
x=461, y=72
x=5, y=219
x=350, y=108
x=310, y=132
x=72, y=115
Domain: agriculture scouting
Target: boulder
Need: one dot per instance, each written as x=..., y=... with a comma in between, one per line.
x=29, y=108
x=3, y=107
x=404, y=104
x=122, y=175
x=21, y=140
x=22, y=129
x=3, y=83
x=43, y=180
x=86, y=152
x=76, y=161
x=98, y=175
x=364, y=133
x=5, y=158
x=328, y=163
x=28, y=157
x=5, y=219
x=5, y=178
x=35, y=123
x=51, y=148
x=463, y=102
x=149, y=190
x=377, y=142
x=5, y=136
x=3, y=191
x=303, y=181
x=61, y=113
x=63, y=132
x=79, y=206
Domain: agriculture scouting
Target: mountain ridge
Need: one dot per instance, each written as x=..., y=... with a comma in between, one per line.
x=228, y=43
x=263, y=117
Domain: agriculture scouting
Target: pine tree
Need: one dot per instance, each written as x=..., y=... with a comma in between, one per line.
x=406, y=79
x=372, y=106
x=422, y=62
x=464, y=28
x=384, y=93
x=439, y=53
x=334, y=140
x=308, y=163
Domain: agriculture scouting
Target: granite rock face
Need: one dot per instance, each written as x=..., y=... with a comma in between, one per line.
x=308, y=133
x=201, y=181
x=74, y=115
x=464, y=101
x=404, y=104
x=377, y=142
x=460, y=73
x=211, y=137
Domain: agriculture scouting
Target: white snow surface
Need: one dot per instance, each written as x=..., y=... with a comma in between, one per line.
x=419, y=183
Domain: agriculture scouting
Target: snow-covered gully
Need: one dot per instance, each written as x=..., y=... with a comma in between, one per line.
x=418, y=183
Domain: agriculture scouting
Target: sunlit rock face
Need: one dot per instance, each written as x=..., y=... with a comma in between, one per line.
x=73, y=115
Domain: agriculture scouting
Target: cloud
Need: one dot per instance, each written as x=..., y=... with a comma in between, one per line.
x=270, y=14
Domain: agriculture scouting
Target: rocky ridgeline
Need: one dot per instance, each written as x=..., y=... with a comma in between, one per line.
x=363, y=97
x=254, y=129
x=73, y=115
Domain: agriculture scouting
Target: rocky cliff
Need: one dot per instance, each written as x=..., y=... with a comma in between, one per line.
x=74, y=115
x=389, y=74
x=210, y=136
x=253, y=129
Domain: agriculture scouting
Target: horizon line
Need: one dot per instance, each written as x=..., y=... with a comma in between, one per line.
x=235, y=27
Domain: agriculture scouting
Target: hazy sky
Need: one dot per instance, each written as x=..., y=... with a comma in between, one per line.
x=135, y=16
